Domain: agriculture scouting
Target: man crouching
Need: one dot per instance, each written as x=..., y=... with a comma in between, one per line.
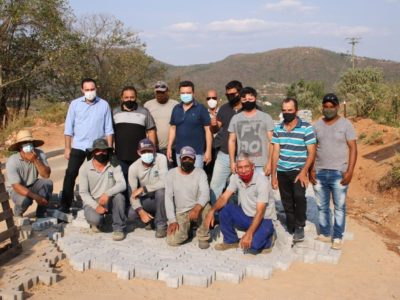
x=187, y=197
x=101, y=185
x=254, y=214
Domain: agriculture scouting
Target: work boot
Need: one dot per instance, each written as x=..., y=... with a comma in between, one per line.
x=298, y=235
x=323, y=238
x=161, y=233
x=225, y=246
x=203, y=244
x=337, y=244
x=118, y=235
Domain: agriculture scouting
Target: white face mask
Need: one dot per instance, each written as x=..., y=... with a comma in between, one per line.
x=212, y=103
x=27, y=148
x=90, y=95
x=147, y=158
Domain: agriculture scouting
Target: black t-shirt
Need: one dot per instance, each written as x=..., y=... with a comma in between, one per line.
x=225, y=114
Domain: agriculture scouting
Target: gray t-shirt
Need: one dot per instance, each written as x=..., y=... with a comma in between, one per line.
x=184, y=191
x=21, y=171
x=258, y=190
x=251, y=135
x=93, y=184
x=332, y=149
x=162, y=115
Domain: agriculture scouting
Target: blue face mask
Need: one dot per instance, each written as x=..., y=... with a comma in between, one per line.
x=27, y=148
x=186, y=98
x=147, y=158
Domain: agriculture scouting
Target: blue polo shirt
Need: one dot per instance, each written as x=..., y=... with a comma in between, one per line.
x=293, y=145
x=190, y=126
x=86, y=122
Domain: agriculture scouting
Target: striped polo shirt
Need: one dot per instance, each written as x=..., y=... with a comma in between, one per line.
x=293, y=145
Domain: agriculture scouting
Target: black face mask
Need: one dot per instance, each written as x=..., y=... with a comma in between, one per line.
x=249, y=105
x=131, y=104
x=187, y=166
x=233, y=99
x=288, y=117
x=101, y=158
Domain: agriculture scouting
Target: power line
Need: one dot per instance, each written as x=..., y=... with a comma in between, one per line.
x=353, y=41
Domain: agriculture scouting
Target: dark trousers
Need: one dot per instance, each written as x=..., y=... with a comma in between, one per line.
x=294, y=201
x=76, y=159
x=209, y=169
x=171, y=163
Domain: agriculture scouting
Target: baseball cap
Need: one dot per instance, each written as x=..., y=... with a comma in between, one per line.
x=161, y=86
x=187, y=151
x=146, y=144
x=330, y=97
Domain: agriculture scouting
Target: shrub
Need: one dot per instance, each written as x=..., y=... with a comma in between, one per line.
x=376, y=138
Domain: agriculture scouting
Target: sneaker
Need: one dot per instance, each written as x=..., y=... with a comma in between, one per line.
x=95, y=229
x=323, y=238
x=337, y=244
x=204, y=244
x=161, y=233
x=298, y=235
x=148, y=226
x=269, y=250
x=224, y=246
x=118, y=236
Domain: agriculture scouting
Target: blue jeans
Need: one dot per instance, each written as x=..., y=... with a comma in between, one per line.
x=231, y=216
x=198, y=163
x=221, y=173
x=328, y=183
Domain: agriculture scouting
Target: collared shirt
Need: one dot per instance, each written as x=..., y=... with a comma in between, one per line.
x=93, y=184
x=22, y=171
x=257, y=191
x=225, y=114
x=86, y=122
x=190, y=126
x=293, y=145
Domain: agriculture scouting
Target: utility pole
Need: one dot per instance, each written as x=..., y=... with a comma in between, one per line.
x=353, y=41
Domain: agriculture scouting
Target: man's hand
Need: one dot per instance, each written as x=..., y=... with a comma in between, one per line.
x=194, y=213
x=313, y=177
x=41, y=201
x=209, y=220
x=169, y=154
x=30, y=156
x=233, y=167
x=245, y=241
x=347, y=176
x=136, y=193
x=274, y=182
x=267, y=169
x=207, y=157
x=172, y=228
x=67, y=153
x=213, y=122
x=103, y=200
x=145, y=217
x=101, y=210
x=302, y=176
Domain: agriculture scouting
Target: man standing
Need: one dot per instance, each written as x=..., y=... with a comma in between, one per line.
x=23, y=169
x=190, y=126
x=254, y=214
x=222, y=168
x=294, y=152
x=132, y=123
x=147, y=182
x=186, y=200
x=334, y=166
x=250, y=131
x=101, y=185
x=161, y=109
x=88, y=118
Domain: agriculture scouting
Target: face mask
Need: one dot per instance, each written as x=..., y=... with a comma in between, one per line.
x=233, y=99
x=147, y=158
x=329, y=113
x=27, y=148
x=101, y=158
x=187, y=166
x=246, y=178
x=90, y=95
x=212, y=103
x=131, y=104
x=248, y=105
x=288, y=117
x=186, y=98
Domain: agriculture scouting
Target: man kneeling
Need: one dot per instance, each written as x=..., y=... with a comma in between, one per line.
x=254, y=213
x=100, y=186
x=187, y=197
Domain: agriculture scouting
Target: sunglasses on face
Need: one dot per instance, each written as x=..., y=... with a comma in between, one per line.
x=161, y=86
x=209, y=98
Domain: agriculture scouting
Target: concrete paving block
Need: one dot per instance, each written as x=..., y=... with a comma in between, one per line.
x=26, y=282
x=348, y=236
x=195, y=279
x=54, y=236
x=229, y=275
x=174, y=281
x=80, y=215
x=146, y=272
x=123, y=271
x=47, y=278
x=80, y=262
x=60, y=215
x=310, y=257
x=101, y=264
x=80, y=224
x=9, y=294
x=335, y=254
x=321, y=246
x=25, y=232
x=283, y=263
x=22, y=221
x=259, y=271
x=325, y=258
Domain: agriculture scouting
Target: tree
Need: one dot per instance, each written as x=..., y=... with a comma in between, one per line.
x=309, y=94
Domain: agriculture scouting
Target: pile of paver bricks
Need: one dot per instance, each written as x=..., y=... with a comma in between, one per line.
x=141, y=255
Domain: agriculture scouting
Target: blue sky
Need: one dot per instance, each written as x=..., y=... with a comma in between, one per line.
x=190, y=32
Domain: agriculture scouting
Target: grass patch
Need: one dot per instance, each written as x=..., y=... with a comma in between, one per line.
x=53, y=113
x=392, y=178
x=376, y=138
x=362, y=136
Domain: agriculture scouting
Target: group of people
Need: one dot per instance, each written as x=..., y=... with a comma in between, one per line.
x=183, y=166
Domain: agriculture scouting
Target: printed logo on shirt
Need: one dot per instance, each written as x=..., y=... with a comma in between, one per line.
x=110, y=174
x=249, y=138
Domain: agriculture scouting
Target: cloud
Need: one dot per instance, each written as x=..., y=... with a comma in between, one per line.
x=245, y=25
x=185, y=26
x=289, y=5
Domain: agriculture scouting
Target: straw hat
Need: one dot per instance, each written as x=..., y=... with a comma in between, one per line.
x=24, y=136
